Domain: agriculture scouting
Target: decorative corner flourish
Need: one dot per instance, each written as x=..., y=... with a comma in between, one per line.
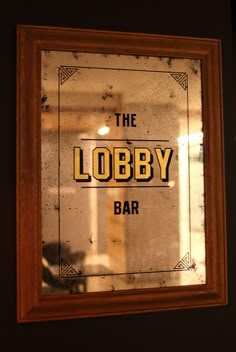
x=181, y=78
x=67, y=271
x=65, y=72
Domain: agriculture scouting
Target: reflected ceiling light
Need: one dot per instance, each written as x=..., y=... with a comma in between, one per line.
x=103, y=130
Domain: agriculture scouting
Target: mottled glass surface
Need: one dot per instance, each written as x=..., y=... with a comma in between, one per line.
x=122, y=172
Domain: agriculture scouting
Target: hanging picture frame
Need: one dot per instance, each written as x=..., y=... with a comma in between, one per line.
x=120, y=173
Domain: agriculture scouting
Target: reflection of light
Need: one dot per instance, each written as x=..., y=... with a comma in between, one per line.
x=103, y=130
x=98, y=259
x=194, y=138
x=171, y=183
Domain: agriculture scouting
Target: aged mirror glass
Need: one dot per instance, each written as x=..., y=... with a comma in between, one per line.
x=122, y=172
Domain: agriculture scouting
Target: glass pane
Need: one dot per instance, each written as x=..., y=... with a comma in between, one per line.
x=122, y=172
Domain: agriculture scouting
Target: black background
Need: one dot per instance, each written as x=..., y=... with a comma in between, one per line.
x=201, y=329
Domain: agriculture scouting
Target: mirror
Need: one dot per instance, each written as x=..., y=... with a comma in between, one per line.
x=120, y=173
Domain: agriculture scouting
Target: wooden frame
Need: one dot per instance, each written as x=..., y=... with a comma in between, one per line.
x=31, y=305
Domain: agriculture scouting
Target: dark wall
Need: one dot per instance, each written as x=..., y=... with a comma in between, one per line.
x=178, y=330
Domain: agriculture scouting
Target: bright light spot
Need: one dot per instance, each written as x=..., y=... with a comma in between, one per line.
x=195, y=138
x=103, y=130
x=171, y=183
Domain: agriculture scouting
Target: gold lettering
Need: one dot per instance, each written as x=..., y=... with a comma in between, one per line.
x=122, y=161
x=163, y=158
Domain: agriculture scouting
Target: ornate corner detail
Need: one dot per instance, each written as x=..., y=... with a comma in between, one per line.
x=181, y=78
x=184, y=263
x=65, y=72
x=67, y=271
